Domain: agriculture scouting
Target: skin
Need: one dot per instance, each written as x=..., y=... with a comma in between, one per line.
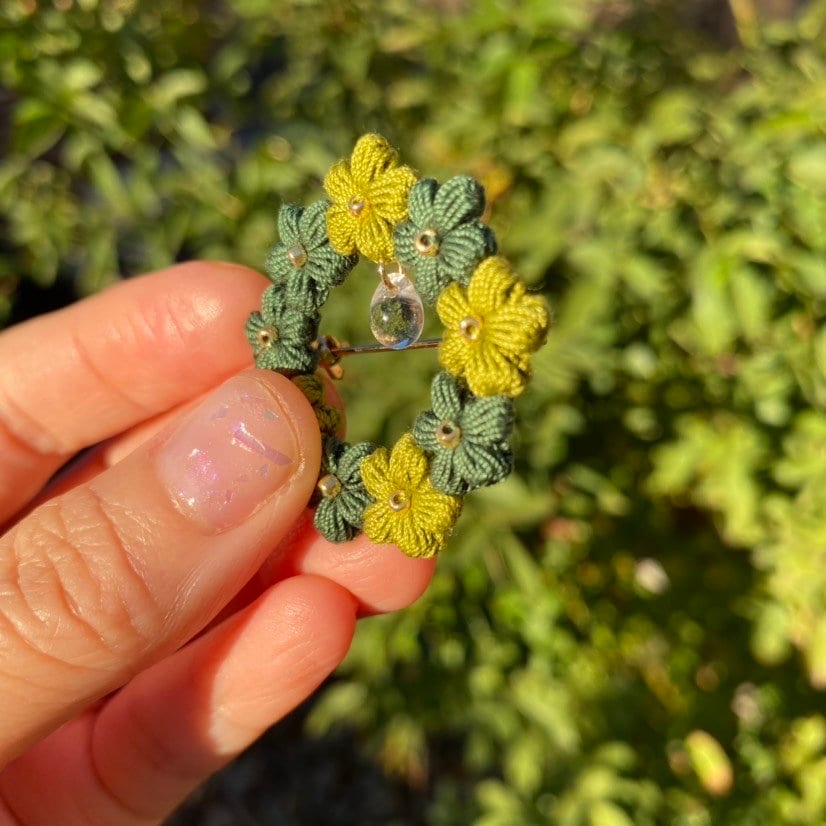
x=142, y=701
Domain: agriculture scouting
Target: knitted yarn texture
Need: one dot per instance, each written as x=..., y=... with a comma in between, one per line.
x=409, y=495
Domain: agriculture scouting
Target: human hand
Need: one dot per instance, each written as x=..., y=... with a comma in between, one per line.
x=165, y=599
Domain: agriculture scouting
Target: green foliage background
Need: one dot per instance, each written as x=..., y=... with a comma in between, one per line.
x=632, y=629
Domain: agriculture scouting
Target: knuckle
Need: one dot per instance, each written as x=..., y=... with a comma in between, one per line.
x=21, y=427
x=71, y=589
x=87, y=355
x=177, y=316
x=161, y=754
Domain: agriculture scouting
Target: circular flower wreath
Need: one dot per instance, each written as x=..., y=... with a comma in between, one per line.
x=412, y=494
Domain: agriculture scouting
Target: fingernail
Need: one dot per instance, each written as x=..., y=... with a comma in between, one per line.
x=233, y=452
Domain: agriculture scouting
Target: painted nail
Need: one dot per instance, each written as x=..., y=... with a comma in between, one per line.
x=232, y=453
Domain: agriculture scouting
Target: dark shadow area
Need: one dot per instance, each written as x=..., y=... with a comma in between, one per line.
x=288, y=779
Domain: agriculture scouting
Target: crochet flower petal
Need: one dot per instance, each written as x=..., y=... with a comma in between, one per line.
x=465, y=471
x=331, y=448
x=373, y=238
x=408, y=465
x=489, y=373
x=349, y=465
x=487, y=420
x=273, y=303
x=351, y=506
x=387, y=194
x=482, y=467
x=424, y=431
x=404, y=237
x=490, y=285
x=454, y=353
x=436, y=512
x=463, y=248
x=293, y=298
x=258, y=332
x=458, y=200
x=328, y=417
x=445, y=476
x=419, y=530
x=420, y=202
x=372, y=156
x=331, y=522
x=288, y=219
x=375, y=472
x=277, y=265
x=416, y=539
x=446, y=397
x=327, y=268
x=519, y=325
x=428, y=277
x=312, y=225
x=339, y=183
x=341, y=229
x=453, y=306
x=339, y=514
x=377, y=528
x=269, y=359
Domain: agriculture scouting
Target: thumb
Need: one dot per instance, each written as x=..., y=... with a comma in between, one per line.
x=112, y=575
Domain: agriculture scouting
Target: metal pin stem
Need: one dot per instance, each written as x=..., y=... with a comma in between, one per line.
x=330, y=350
x=423, y=344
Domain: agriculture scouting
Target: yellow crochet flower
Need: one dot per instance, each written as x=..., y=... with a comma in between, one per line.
x=369, y=196
x=408, y=511
x=491, y=328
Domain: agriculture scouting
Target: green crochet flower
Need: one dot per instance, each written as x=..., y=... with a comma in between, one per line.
x=340, y=511
x=312, y=386
x=304, y=253
x=281, y=334
x=444, y=239
x=465, y=436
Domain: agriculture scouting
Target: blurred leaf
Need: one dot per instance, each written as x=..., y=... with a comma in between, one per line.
x=808, y=168
x=174, y=85
x=605, y=813
x=710, y=763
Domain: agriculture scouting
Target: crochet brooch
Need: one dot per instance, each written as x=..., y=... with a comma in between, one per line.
x=431, y=247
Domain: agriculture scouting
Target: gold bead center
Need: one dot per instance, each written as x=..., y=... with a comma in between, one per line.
x=267, y=336
x=329, y=486
x=356, y=206
x=397, y=500
x=297, y=256
x=427, y=242
x=470, y=328
x=448, y=434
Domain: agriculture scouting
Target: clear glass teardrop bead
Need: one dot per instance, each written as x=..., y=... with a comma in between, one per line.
x=396, y=311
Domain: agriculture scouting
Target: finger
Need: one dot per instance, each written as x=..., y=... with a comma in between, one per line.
x=380, y=577
x=110, y=576
x=94, y=461
x=77, y=376
x=185, y=717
